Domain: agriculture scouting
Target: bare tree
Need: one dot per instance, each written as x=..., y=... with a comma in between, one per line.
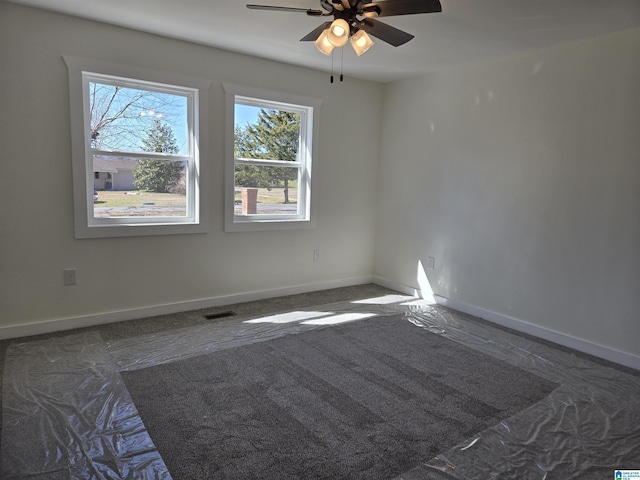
x=119, y=115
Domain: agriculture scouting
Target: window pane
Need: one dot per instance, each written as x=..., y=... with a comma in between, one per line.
x=266, y=190
x=126, y=119
x=130, y=187
x=266, y=133
x=270, y=164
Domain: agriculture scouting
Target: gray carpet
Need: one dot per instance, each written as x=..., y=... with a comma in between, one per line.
x=369, y=399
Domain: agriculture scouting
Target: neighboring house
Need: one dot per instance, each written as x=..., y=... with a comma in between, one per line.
x=113, y=174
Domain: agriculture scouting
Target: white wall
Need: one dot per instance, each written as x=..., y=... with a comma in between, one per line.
x=36, y=227
x=522, y=178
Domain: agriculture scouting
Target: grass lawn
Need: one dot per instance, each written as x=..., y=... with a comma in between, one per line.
x=137, y=203
x=137, y=198
x=274, y=196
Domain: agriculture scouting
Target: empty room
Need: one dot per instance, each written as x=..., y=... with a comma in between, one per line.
x=320, y=239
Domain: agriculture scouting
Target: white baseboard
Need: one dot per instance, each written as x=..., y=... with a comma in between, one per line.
x=606, y=353
x=93, y=320
x=398, y=287
x=600, y=351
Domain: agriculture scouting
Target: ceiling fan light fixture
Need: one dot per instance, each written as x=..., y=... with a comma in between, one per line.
x=361, y=42
x=323, y=44
x=338, y=33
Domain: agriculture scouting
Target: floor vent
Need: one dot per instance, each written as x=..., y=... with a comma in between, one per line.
x=213, y=316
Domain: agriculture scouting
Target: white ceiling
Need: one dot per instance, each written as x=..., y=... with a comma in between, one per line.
x=466, y=30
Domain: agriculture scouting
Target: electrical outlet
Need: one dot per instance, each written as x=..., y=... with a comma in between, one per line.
x=70, y=276
x=316, y=255
x=431, y=263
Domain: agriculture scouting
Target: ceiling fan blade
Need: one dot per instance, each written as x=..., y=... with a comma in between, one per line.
x=384, y=32
x=308, y=11
x=314, y=34
x=390, y=8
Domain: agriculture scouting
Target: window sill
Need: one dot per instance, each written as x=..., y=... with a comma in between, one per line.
x=238, y=225
x=114, y=231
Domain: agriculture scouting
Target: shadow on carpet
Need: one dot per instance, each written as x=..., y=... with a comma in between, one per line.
x=369, y=399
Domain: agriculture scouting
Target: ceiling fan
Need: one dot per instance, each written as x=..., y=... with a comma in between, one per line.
x=356, y=20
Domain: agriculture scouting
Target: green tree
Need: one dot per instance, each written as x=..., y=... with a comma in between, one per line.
x=274, y=136
x=153, y=174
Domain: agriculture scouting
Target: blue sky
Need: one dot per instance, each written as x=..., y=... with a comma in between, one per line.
x=169, y=108
x=245, y=114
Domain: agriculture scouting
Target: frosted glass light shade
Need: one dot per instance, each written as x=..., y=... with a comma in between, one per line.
x=361, y=42
x=338, y=33
x=322, y=43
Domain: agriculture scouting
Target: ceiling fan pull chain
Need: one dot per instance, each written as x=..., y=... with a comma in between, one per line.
x=331, y=67
x=341, y=63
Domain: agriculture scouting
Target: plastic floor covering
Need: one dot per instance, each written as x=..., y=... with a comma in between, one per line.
x=67, y=413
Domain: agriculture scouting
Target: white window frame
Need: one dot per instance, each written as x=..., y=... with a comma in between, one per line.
x=309, y=110
x=81, y=72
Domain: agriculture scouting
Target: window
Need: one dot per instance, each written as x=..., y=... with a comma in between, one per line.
x=136, y=150
x=270, y=145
